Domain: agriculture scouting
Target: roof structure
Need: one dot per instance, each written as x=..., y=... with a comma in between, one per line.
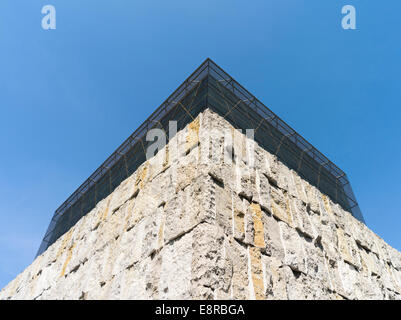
x=207, y=87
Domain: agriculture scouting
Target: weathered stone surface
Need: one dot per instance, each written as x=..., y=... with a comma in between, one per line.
x=294, y=254
x=275, y=280
x=302, y=220
x=204, y=220
x=280, y=206
x=273, y=239
x=240, y=285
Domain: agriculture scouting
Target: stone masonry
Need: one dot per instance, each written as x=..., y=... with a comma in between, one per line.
x=188, y=224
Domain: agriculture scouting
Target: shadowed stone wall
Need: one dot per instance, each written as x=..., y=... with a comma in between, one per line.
x=192, y=226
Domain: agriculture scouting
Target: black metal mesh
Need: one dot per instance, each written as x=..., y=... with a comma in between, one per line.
x=208, y=87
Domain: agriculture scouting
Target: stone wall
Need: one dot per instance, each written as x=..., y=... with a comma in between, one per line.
x=192, y=226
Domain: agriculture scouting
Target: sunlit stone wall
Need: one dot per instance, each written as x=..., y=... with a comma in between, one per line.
x=214, y=216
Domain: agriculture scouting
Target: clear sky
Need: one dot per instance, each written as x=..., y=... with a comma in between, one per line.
x=70, y=96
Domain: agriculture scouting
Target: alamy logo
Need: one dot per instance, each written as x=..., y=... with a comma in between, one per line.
x=349, y=20
x=49, y=20
x=217, y=146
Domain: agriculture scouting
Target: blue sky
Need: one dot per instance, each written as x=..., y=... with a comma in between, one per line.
x=70, y=96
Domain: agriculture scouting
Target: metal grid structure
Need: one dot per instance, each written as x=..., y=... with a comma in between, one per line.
x=207, y=87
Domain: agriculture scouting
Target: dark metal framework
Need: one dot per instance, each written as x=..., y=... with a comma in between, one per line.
x=207, y=87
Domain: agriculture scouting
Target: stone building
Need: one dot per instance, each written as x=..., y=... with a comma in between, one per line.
x=235, y=205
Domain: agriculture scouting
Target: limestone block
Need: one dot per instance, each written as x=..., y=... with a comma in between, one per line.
x=70, y=284
x=270, y=168
x=349, y=277
x=106, y=259
x=384, y=275
x=275, y=281
x=56, y=292
x=142, y=175
x=89, y=285
x=273, y=240
x=185, y=175
x=381, y=248
x=368, y=262
x=327, y=236
x=358, y=285
x=391, y=295
x=247, y=183
x=395, y=257
x=249, y=224
x=100, y=213
x=295, y=256
x=396, y=275
x=175, y=269
x=301, y=287
x=187, y=209
x=239, y=144
x=325, y=208
x=35, y=271
x=368, y=289
x=239, y=210
x=339, y=217
x=359, y=232
x=158, y=163
x=334, y=277
x=210, y=120
x=302, y=221
x=256, y=274
x=291, y=185
x=99, y=237
x=208, y=239
x=130, y=247
x=300, y=187
x=280, y=206
x=154, y=231
x=262, y=196
x=240, y=280
x=134, y=281
x=222, y=174
x=85, y=249
x=122, y=193
x=224, y=208
x=316, y=264
x=260, y=160
x=216, y=147
x=224, y=271
x=255, y=212
x=192, y=137
x=112, y=289
x=138, y=208
x=392, y=278
x=283, y=177
x=311, y=193
x=348, y=249
x=117, y=222
x=161, y=188
x=45, y=280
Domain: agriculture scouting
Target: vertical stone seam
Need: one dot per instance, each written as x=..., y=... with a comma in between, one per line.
x=250, y=281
